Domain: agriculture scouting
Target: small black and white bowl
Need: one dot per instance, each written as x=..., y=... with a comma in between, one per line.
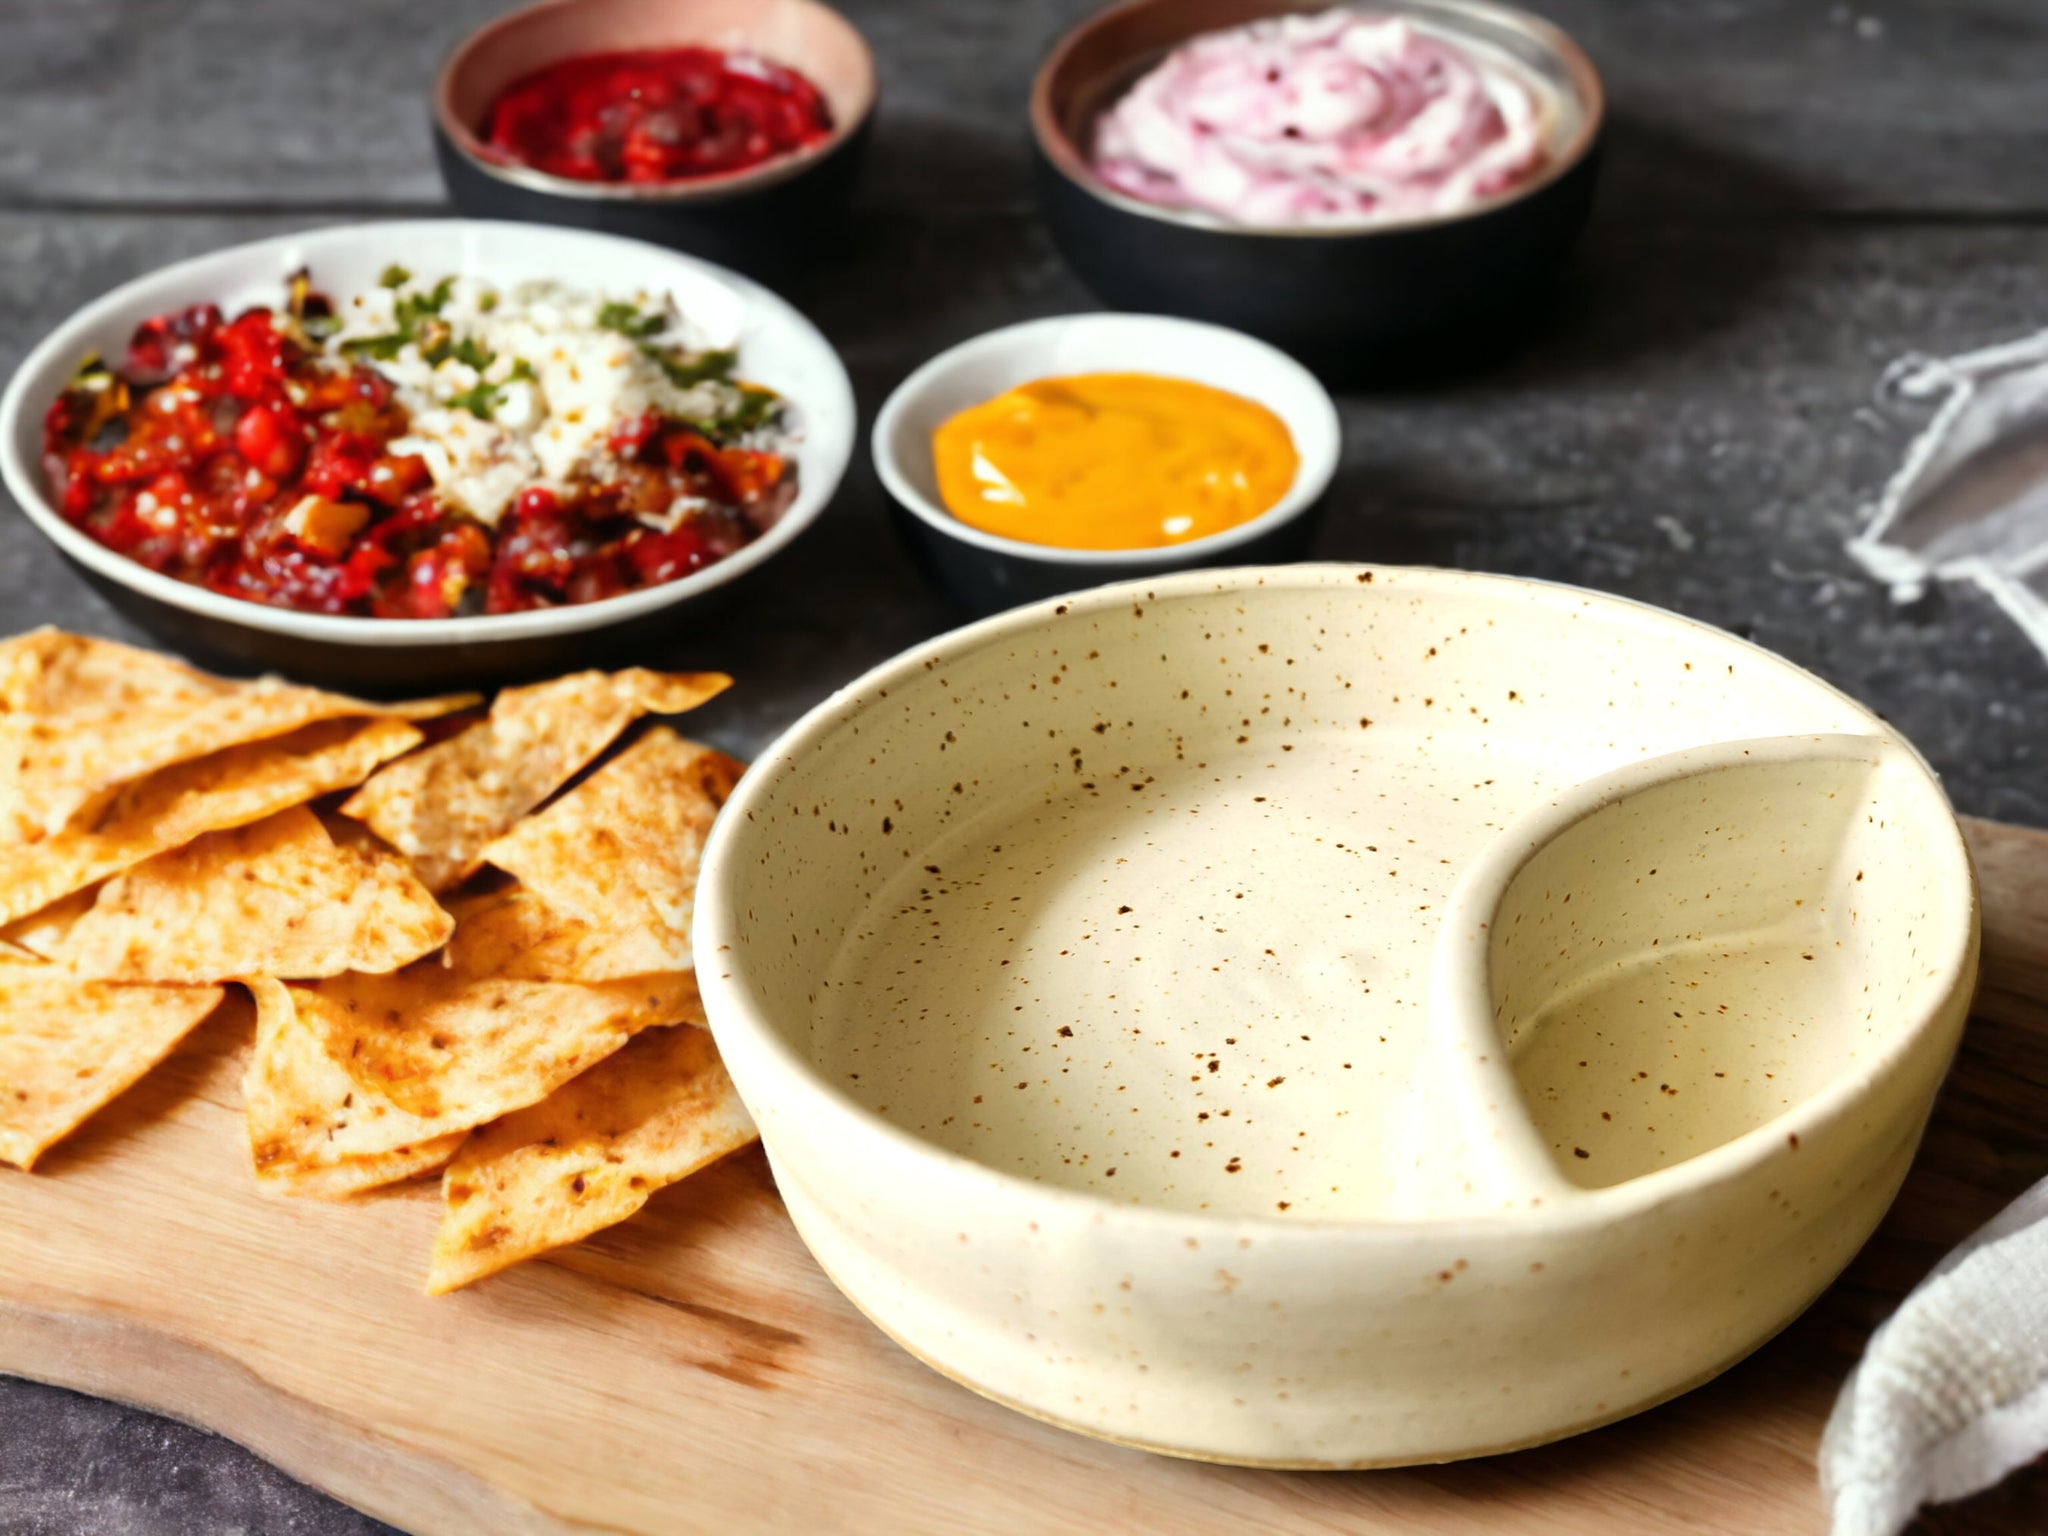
x=985, y=572
x=1368, y=300
x=777, y=348
x=765, y=220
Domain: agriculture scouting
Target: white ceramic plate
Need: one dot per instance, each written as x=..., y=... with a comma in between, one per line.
x=778, y=348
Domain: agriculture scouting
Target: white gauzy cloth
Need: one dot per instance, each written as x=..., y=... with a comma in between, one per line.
x=1952, y=1393
x=1970, y=502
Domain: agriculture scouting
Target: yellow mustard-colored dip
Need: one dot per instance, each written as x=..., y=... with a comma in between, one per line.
x=1112, y=461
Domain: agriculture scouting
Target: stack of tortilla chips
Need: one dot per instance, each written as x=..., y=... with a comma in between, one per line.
x=449, y=971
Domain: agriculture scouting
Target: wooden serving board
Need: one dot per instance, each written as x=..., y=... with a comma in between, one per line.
x=694, y=1371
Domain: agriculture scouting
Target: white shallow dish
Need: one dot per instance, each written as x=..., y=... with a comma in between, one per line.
x=985, y=571
x=1336, y=1017
x=778, y=347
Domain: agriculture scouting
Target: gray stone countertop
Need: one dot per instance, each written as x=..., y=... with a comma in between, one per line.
x=1795, y=193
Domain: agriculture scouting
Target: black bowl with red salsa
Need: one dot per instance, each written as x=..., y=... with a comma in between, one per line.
x=259, y=458
x=732, y=131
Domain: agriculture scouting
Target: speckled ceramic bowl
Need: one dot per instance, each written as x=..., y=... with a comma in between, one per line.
x=1336, y=1017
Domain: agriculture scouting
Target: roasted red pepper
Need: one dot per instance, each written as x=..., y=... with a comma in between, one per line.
x=235, y=455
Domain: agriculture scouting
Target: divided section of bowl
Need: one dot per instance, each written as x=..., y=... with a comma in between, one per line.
x=1696, y=945
x=1199, y=983
x=1163, y=924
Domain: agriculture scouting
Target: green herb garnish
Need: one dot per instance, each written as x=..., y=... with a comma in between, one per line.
x=414, y=314
x=471, y=355
x=381, y=348
x=436, y=341
x=687, y=368
x=757, y=408
x=412, y=308
x=628, y=321
x=482, y=401
x=752, y=409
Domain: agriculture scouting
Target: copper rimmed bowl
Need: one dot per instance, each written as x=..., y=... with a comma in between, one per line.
x=1348, y=299
x=762, y=220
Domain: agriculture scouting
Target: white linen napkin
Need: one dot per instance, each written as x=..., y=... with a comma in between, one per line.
x=1970, y=502
x=1952, y=1392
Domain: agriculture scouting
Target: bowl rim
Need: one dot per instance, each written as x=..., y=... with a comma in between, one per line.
x=725, y=186
x=1066, y=157
x=24, y=480
x=1311, y=479
x=744, y=1033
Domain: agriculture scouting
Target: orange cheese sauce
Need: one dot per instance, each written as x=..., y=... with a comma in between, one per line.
x=1112, y=461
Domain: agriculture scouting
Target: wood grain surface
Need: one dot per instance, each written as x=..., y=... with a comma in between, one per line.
x=694, y=1371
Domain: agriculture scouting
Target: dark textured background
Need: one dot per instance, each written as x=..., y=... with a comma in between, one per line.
x=1796, y=192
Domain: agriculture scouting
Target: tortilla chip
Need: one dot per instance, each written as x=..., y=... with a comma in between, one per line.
x=460, y=1050
x=512, y=933
x=36, y=934
x=275, y=898
x=620, y=851
x=587, y=1156
x=80, y=717
x=169, y=809
x=312, y=1129
x=346, y=832
x=68, y=1047
x=439, y=807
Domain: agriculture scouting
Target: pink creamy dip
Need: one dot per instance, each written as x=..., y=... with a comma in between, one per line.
x=1338, y=118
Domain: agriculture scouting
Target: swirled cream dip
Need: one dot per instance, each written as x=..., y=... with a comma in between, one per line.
x=1343, y=117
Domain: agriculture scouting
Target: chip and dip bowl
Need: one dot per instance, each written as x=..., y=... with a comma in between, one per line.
x=1336, y=1017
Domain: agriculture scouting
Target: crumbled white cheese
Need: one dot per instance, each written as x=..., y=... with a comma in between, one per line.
x=544, y=423
x=679, y=511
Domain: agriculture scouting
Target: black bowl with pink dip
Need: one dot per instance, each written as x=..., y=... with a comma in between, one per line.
x=1412, y=284
x=765, y=218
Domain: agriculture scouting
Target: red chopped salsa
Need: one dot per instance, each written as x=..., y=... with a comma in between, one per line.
x=653, y=115
x=248, y=457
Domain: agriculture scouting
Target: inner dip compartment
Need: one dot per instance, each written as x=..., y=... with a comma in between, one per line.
x=1197, y=983
x=1694, y=959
